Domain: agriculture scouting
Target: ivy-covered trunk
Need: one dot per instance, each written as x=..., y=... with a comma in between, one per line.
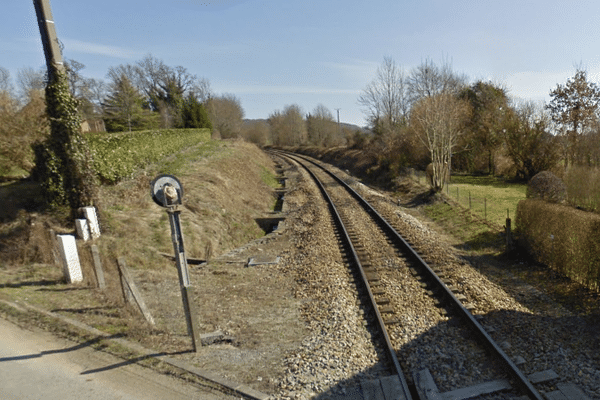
x=63, y=160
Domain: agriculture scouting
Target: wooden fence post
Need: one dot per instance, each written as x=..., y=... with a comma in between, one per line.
x=98, y=267
x=131, y=292
x=508, y=232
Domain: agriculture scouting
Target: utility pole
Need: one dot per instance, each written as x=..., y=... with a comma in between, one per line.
x=54, y=60
x=338, y=115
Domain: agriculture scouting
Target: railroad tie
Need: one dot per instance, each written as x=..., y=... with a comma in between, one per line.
x=372, y=276
x=386, y=310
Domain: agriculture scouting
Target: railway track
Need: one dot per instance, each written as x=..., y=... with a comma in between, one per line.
x=388, y=273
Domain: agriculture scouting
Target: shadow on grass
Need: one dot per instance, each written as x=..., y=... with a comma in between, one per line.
x=65, y=289
x=105, y=311
x=43, y=282
x=482, y=241
x=482, y=180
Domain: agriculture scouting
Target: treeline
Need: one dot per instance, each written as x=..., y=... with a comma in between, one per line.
x=431, y=114
x=434, y=114
x=427, y=114
x=147, y=94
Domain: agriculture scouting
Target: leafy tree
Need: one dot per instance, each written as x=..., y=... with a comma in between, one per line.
x=574, y=108
x=163, y=87
x=194, y=115
x=490, y=109
x=124, y=108
x=528, y=142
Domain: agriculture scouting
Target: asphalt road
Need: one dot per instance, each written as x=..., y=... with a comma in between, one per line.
x=36, y=365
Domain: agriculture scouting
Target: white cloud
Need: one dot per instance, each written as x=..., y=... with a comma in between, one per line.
x=78, y=46
x=535, y=85
x=272, y=89
x=357, y=70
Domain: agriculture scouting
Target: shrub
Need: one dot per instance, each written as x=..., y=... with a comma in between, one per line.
x=562, y=237
x=547, y=186
x=583, y=187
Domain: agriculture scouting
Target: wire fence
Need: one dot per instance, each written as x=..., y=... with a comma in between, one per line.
x=484, y=209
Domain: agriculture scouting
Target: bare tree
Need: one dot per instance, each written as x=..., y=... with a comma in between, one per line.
x=288, y=128
x=256, y=132
x=226, y=115
x=201, y=90
x=438, y=121
x=160, y=82
x=5, y=81
x=385, y=99
x=321, y=127
x=429, y=79
x=129, y=71
x=29, y=79
x=97, y=92
x=77, y=83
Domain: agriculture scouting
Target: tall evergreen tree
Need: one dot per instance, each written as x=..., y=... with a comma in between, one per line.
x=193, y=114
x=124, y=108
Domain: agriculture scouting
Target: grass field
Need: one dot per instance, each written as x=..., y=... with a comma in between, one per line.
x=479, y=208
x=491, y=198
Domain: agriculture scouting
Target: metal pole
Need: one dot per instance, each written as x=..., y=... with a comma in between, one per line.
x=187, y=291
x=54, y=60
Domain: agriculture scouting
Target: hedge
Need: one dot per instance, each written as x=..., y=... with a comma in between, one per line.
x=562, y=237
x=119, y=155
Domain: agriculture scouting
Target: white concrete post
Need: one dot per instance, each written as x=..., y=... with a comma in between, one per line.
x=92, y=219
x=70, y=258
x=83, y=230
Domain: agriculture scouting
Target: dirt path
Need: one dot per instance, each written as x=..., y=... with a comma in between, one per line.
x=36, y=365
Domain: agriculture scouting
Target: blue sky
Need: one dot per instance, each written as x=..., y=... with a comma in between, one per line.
x=272, y=53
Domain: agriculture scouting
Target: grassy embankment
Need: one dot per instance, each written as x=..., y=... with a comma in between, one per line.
x=134, y=227
x=480, y=221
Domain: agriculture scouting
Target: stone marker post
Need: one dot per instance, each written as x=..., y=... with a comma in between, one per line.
x=70, y=258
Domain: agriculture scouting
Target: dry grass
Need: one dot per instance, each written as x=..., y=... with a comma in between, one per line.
x=218, y=215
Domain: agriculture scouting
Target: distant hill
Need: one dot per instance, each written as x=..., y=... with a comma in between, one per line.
x=351, y=127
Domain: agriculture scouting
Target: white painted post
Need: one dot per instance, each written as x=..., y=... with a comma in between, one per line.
x=68, y=251
x=92, y=219
x=83, y=230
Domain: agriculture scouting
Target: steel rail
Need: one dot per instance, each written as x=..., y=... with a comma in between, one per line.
x=509, y=366
x=390, y=351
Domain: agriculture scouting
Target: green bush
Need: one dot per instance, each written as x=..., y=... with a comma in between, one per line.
x=119, y=155
x=562, y=237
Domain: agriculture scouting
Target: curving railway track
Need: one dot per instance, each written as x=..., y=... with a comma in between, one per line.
x=389, y=274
